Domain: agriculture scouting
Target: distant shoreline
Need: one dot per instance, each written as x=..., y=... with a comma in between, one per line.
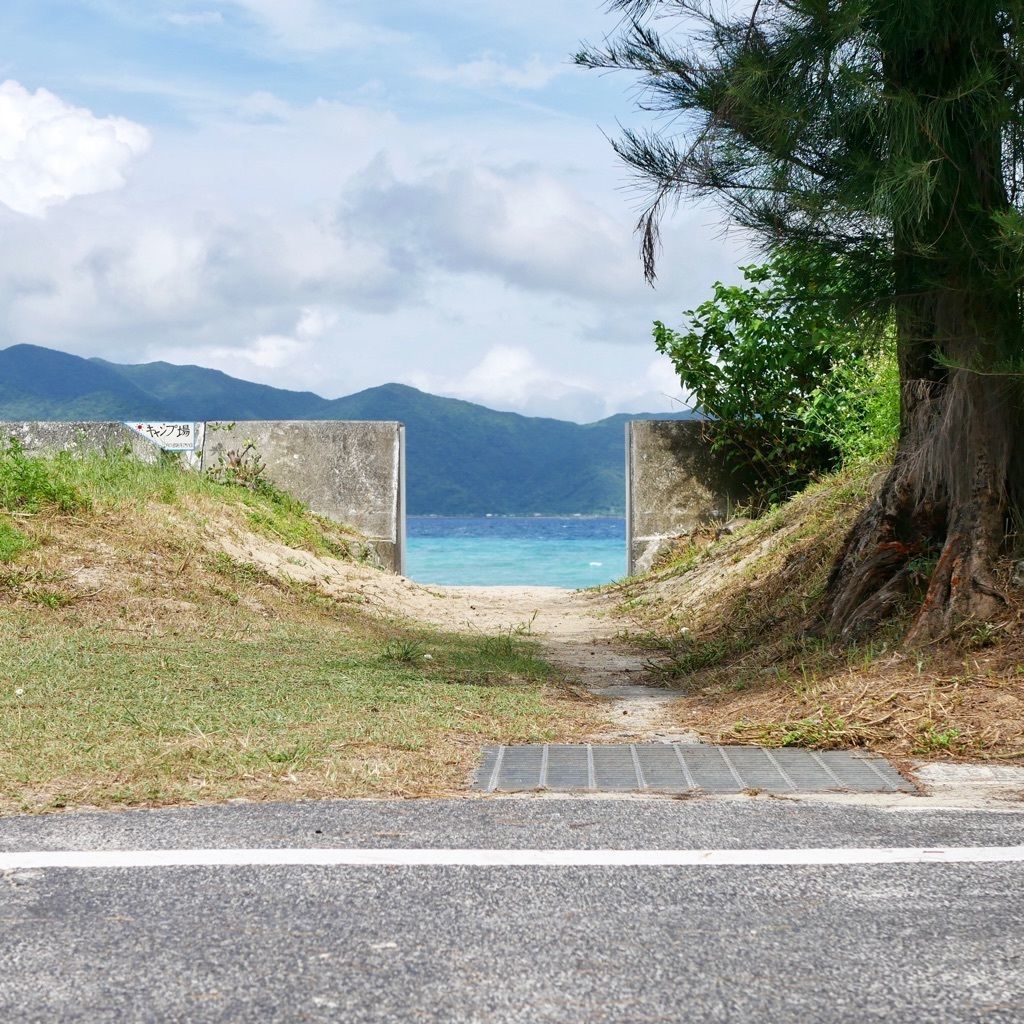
x=517, y=515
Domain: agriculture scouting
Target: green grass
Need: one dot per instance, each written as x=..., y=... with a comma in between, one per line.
x=139, y=665
x=32, y=485
x=68, y=483
x=104, y=717
x=12, y=541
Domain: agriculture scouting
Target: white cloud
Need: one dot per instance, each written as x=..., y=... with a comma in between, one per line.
x=512, y=378
x=264, y=238
x=189, y=19
x=657, y=389
x=267, y=355
x=132, y=275
x=518, y=223
x=51, y=151
x=489, y=71
x=311, y=26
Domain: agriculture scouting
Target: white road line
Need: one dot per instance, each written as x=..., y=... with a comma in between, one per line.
x=505, y=858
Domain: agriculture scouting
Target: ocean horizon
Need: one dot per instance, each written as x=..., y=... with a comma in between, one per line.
x=499, y=550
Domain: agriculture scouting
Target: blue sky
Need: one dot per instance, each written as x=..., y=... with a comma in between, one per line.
x=326, y=195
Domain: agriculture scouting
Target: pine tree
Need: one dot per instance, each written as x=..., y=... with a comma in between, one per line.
x=890, y=132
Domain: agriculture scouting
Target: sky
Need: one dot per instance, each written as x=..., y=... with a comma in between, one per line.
x=327, y=195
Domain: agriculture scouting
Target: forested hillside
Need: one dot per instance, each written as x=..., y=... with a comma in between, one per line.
x=463, y=459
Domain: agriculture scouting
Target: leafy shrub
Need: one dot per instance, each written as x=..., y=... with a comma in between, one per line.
x=857, y=410
x=779, y=364
x=32, y=485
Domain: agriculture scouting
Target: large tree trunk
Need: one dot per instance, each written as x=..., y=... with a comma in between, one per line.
x=941, y=514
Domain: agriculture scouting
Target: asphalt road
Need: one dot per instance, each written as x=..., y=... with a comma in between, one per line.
x=903, y=942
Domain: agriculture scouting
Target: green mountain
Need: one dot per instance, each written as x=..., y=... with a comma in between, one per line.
x=196, y=393
x=42, y=384
x=465, y=458
x=462, y=458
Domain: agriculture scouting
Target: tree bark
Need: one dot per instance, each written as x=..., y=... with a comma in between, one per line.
x=940, y=515
x=942, y=512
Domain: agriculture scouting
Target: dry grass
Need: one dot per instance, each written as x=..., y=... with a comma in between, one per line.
x=142, y=665
x=942, y=704
x=731, y=620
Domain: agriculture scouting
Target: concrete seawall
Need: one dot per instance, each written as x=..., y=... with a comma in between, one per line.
x=354, y=472
x=674, y=487
x=351, y=472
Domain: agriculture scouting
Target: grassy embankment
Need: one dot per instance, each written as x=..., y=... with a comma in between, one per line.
x=140, y=663
x=736, y=621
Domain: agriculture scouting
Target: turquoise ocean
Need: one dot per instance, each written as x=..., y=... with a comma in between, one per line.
x=577, y=551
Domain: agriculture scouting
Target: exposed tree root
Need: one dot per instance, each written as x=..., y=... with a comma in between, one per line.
x=872, y=572
x=883, y=557
x=962, y=587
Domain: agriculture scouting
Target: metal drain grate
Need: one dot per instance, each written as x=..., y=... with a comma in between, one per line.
x=682, y=767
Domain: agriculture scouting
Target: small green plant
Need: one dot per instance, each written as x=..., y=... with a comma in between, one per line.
x=822, y=731
x=12, y=541
x=48, y=598
x=403, y=652
x=242, y=467
x=289, y=755
x=980, y=635
x=922, y=567
x=933, y=740
x=525, y=628
x=240, y=572
x=169, y=460
x=34, y=485
x=506, y=644
x=693, y=655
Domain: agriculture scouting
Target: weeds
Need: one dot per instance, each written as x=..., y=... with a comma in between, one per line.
x=290, y=755
x=827, y=731
x=12, y=541
x=508, y=642
x=933, y=740
x=34, y=485
x=241, y=467
x=694, y=655
x=403, y=652
x=241, y=572
x=976, y=636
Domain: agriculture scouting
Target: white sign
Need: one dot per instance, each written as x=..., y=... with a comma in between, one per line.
x=172, y=437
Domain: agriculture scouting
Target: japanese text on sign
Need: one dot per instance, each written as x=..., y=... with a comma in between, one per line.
x=172, y=437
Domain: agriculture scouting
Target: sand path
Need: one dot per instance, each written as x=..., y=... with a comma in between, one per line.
x=578, y=631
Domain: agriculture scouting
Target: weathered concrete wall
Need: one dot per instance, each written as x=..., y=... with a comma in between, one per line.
x=39, y=437
x=674, y=486
x=352, y=472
